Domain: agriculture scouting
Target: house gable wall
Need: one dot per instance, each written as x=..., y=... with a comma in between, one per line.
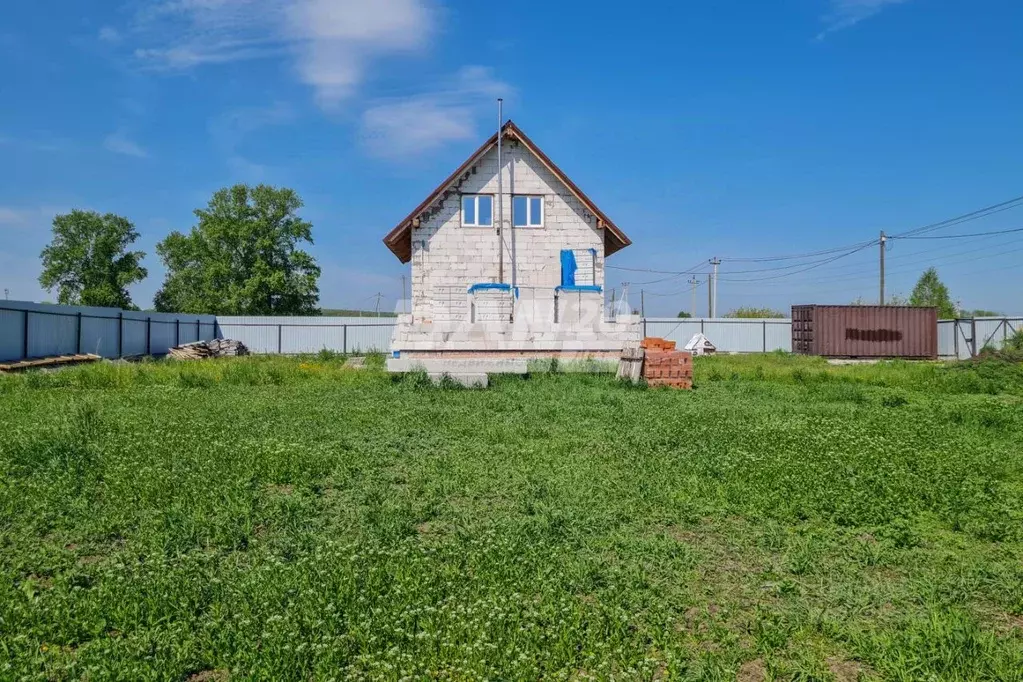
x=447, y=258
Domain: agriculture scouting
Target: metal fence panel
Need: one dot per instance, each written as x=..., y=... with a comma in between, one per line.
x=778, y=335
x=312, y=339
x=12, y=334
x=365, y=338
x=52, y=335
x=946, y=339
x=959, y=339
x=99, y=336
x=292, y=335
x=996, y=331
x=728, y=335
x=108, y=332
x=55, y=330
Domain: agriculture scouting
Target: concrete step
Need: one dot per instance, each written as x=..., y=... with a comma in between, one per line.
x=470, y=366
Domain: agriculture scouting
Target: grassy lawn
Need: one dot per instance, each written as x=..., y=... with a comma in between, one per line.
x=281, y=519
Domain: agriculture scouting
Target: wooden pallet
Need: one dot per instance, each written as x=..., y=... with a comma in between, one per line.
x=54, y=361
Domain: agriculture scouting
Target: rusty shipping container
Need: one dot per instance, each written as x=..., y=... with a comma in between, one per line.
x=865, y=331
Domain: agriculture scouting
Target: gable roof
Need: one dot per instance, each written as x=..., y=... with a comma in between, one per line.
x=399, y=240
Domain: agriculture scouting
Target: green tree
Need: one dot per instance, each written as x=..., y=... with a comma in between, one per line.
x=979, y=312
x=929, y=291
x=88, y=261
x=754, y=313
x=684, y=314
x=242, y=258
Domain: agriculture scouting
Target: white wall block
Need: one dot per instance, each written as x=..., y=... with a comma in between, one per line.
x=448, y=258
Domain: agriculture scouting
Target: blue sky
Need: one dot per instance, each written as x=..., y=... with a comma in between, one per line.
x=730, y=129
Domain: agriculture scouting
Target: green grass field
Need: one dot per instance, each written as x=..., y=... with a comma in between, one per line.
x=289, y=519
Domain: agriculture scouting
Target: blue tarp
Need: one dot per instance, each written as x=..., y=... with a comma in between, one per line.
x=489, y=286
x=568, y=268
x=493, y=286
x=580, y=287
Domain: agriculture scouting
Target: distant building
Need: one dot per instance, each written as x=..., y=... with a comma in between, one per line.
x=531, y=284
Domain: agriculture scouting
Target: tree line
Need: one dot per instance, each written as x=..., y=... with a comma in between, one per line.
x=242, y=257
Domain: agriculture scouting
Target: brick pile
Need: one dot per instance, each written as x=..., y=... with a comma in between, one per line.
x=665, y=366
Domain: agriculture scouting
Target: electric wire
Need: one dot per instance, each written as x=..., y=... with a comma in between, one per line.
x=963, y=236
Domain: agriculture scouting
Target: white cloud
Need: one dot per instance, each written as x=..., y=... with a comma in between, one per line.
x=230, y=129
x=37, y=144
x=28, y=218
x=419, y=124
x=846, y=13
x=12, y=217
x=330, y=42
x=109, y=34
x=119, y=143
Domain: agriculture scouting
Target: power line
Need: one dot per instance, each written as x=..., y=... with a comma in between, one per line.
x=930, y=261
x=962, y=236
x=811, y=254
x=676, y=293
x=689, y=271
x=966, y=217
x=811, y=267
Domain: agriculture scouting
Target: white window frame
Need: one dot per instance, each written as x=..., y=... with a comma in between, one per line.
x=476, y=206
x=529, y=210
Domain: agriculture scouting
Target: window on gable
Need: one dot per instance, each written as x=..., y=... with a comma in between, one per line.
x=477, y=210
x=527, y=211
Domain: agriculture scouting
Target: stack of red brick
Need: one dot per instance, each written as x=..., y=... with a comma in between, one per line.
x=665, y=366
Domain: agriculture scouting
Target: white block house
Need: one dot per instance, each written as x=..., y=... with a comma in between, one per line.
x=511, y=264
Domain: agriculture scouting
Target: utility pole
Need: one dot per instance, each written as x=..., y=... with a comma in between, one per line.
x=881, y=243
x=379, y=296
x=695, y=283
x=7, y=294
x=714, y=300
x=642, y=303
x=710, y=297
x=500, y=193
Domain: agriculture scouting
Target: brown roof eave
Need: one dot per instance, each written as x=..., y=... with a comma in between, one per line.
x=399, y=239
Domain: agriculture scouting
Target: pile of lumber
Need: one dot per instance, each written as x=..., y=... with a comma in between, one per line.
x=200, y=350
x=53, y=361
x=657, y=361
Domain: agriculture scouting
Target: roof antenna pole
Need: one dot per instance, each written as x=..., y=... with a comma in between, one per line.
x=500, y=193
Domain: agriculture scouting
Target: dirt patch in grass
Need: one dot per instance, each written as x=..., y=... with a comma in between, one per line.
x=280, y=489
x=752, y=671
x=843, y=670
x=219, y=675
x=42, y=581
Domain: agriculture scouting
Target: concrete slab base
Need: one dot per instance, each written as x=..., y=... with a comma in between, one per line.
x=478, y=365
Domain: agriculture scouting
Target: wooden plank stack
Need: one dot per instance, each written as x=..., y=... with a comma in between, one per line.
x=665, y=366
x=54, y=361
x=201, y=350
x=630, y=365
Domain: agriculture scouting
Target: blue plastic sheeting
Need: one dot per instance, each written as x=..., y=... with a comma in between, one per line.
x=568, y=268
x=580, y=287
x=489, y=286
x=493, y=286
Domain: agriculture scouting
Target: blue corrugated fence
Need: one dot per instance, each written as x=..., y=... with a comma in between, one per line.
x=38, y=330
x=29, y=330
